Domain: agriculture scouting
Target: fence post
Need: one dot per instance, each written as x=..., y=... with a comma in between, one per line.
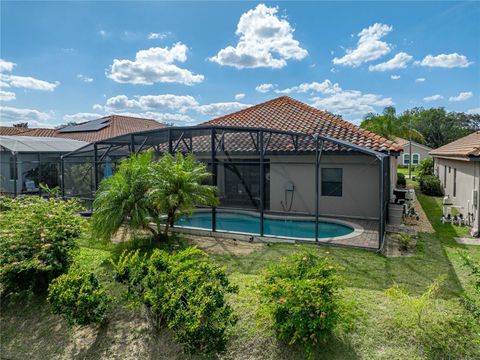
x=213, y=151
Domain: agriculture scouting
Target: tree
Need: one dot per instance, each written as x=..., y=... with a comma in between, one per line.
x=438, y=126
x=389, y=125
x=143, y=191
x=123, y=199
x=178, y=186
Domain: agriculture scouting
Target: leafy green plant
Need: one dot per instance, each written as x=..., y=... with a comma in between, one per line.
x=405, y=241
x=300, y=294
x=184, y=291
x=430, y=185
x=78, y=297
x=144, y=191
x=401, y=181
x=38, y=238
x=425, y=168
x=178, y=186
x=51, y=192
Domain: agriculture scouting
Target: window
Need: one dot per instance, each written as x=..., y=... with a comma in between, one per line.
x=454, y=182
x=445, y=177
x=13, y=173
x=332, y=182
x=415, y=159
x=449, y=169
x=406, y=159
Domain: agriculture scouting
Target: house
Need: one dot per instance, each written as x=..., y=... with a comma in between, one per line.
x=457, y=165
x=419, y=152
x=27, y=161
x=32, y=156
x=280, y=160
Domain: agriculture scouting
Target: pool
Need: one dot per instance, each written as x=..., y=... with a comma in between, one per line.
x=273, y=226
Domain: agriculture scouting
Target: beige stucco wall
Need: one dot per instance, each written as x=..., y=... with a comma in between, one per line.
x=360, y=196
x=416, y=149
x=467, y=180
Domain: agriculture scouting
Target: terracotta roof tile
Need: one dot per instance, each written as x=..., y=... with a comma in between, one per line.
x=117, y=125
x=464, y=147
x=287, y=114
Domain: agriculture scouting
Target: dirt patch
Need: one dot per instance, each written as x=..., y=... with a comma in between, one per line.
x=223, y=246
x=125, y=234
x=397, y=245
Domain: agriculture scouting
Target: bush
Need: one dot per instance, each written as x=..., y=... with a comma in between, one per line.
x=425, y=168
x=78, y=297
x=300, y=295
x=430, y=185
x=37, y=242
x=184, y=291
x=401, y=181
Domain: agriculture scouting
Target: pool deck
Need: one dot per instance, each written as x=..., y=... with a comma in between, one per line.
x=367, y=239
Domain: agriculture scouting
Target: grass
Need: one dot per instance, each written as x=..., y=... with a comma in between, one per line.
x=30, y=331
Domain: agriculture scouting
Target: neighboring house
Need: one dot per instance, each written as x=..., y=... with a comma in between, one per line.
x=90, y=131
x=37, y=151
x=419, y=152
x=457, y=164
x=27, y=161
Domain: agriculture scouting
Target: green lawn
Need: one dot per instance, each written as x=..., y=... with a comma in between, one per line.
x=29, y=331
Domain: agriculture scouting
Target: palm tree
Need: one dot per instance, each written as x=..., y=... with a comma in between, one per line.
x=178, y=186
x=123, y=199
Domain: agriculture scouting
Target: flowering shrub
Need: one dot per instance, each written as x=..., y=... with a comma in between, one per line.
x=185, y=291
x=300, y=295
x=37, y=241
x=78, y=297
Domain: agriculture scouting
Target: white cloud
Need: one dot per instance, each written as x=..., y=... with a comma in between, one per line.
x=399, y=61
x=446, y=61
x=265, y=41
x=11, y=115
x=474, y=111
x=85, y=78
x=103, y=33
x=325, y=87
x=220, y=108
x=418, y=80
x=6, y=65
x=156, y=36
x=149, y=102
x=154, y=65
x=348, y=102
x=239, y=96
x=395, y=77
x=97, y=107
x=7, y=95
x=264, y=88
x=27, y=82
x=433, y=98
x=461, y=97
x=82, y=117
x=369, y=46
x=161, y=117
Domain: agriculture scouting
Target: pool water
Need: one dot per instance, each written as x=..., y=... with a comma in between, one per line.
x=244, y=223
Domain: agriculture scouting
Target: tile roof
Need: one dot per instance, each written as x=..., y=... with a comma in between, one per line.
x=287, y=114
x=117, y=125
x=465, y=147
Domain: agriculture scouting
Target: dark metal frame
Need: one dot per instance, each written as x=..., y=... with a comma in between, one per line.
x=261, y=143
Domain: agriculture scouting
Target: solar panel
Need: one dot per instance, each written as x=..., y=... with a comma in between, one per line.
x=93, y=125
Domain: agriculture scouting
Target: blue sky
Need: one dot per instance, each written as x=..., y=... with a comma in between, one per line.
x=187, y=62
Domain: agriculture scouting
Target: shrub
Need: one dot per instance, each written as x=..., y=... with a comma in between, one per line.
x=401, y=181
x=37, y=242
x=78, y=297
x=300, y=295
x=425, y=168
x=430, y=185
x=184, y=291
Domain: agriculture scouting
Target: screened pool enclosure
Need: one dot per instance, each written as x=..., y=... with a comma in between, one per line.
x=273, y=184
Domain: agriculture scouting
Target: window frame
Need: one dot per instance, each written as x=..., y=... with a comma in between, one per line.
x=418, y=159
x=406, y=156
